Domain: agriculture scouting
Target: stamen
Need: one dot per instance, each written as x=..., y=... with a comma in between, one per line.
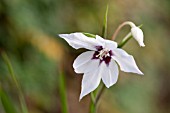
x=103, y=53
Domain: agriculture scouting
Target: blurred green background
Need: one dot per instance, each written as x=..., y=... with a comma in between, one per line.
x=28, y=34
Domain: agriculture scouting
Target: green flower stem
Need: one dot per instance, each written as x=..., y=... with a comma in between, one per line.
x=92, y=97
x=99, y=93
x=125, y=40
x=92, y=107
x=62, y=90
x=21, y=96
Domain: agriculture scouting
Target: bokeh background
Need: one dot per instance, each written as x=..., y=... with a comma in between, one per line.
x=29, y=35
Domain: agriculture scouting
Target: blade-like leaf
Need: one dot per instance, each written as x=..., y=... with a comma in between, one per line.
x=6, y=102
x=20, y=94
x=104, y=29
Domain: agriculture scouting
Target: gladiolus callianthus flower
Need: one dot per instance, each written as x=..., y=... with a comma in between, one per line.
x=100, y=63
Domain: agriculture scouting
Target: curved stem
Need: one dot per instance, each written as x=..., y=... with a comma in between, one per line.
x=120, y=27
x=99, y=94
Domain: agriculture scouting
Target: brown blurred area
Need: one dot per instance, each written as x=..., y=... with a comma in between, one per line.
x=29, y=35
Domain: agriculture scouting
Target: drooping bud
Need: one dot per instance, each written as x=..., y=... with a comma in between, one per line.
x=137, y=33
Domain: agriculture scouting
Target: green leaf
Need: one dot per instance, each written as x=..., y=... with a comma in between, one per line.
x=20, y=94
x=90, y=35
x=104, y=30
x=6, y=102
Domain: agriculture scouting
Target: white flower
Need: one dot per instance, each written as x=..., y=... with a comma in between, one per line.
x=100, y=62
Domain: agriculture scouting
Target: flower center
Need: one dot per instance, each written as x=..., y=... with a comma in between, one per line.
x=103, y=53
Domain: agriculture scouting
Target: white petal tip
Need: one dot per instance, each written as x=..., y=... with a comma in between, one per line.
x=107, y=86
x=142, y=45
x=76, y=71
x=63, y=35
x=80, y=98
x=60, y=35
x=140, y=73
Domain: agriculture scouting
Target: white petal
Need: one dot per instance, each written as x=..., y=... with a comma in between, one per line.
x=83, y=58
x=90, y=82
x=110, y=74
x=126, y=61
x=84, y=62
x=79, y=40
x=106, y=43
x=87, y=67
x=138, y=35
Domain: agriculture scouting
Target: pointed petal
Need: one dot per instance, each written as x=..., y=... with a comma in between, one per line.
x=106, y=43
x=90, y=82
x=79, y=40
x=126, y=61
x=83, y=58
x=110, y=76
x=84, y=62
x=138, y=35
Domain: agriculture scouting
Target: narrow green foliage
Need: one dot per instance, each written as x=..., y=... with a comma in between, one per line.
x=104, y=29
x=21, y=96
x=6, y=102
x=90, y=35
x=62, y=90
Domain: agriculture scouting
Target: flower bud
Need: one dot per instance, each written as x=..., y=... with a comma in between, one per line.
x=138, y=35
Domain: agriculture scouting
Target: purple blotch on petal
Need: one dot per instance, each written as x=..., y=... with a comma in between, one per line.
x=99, y=48
x=106, y=59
